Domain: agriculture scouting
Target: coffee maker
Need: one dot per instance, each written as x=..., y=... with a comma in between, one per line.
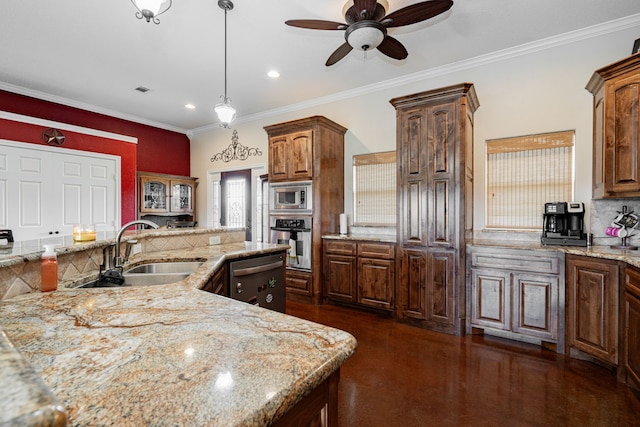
x=563, y=224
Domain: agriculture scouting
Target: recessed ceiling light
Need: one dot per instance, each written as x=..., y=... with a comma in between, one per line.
x=273, y=74
x=190, y=106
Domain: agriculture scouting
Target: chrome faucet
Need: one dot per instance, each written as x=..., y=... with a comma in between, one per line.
x=117, y=261
x=114, y=273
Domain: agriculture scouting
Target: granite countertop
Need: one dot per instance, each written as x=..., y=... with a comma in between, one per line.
x=165, y=355
x=631, y=257
x=364, y=237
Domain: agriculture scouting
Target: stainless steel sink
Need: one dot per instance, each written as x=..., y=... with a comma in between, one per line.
x=157, y=273
x=165, y=267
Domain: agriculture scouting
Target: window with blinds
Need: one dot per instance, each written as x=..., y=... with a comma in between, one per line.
x=523, y=173
x=374, y=189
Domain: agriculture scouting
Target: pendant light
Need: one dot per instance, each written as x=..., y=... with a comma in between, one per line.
x=151, y=9
x=226, y=113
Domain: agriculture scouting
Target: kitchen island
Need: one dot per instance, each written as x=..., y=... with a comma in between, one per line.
x=174, y=354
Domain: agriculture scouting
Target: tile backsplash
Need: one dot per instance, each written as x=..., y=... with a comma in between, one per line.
x=24, y=277
x=603, y=212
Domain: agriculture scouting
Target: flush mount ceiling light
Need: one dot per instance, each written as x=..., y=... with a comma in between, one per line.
x=226, y=113
x=151, y=9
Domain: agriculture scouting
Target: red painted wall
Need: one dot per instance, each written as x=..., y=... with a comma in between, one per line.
x=157, y=150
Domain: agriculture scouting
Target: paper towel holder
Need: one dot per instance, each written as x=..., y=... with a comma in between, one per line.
x=343, y=224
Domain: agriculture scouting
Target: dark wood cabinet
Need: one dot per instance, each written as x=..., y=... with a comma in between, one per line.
x=631, y=327
x=218, y=283
x=340, y=270
x=311, y=149
x=616, y=129
x=291, y=157
x=592, y=307
x=435, y=194
x=359, y=272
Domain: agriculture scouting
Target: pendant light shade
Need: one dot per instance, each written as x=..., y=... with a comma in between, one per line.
x=226, y=113
x=151, y=9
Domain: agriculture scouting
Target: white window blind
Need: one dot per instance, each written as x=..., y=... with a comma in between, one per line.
x=523, y=173
x=374, y=189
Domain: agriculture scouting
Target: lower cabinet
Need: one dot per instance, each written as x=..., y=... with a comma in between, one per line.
x=299, y=285
x=428, y=289
x=518, y=294
x=218, y=283
x=592, y=307
x=631, y=325
x=360, y=272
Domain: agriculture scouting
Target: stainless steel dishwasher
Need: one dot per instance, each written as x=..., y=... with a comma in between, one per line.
x=259, y=281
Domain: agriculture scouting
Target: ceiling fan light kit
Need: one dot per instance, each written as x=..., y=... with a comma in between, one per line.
x=151, y=9
x=365, y=35
x=367, y=23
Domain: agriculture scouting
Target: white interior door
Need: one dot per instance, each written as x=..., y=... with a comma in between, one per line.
x=44, y=191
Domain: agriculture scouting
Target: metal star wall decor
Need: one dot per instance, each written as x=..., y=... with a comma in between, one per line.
x=236, y=151
x=53, y=137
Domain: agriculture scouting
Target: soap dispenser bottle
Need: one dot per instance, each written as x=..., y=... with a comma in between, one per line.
x=49, y=269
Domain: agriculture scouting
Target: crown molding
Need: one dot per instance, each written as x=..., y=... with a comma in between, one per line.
x=65, y=126
x=87, y=107
x=632, y=21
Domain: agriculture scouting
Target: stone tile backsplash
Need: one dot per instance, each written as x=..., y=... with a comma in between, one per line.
x=25, y=277
x=603, y=213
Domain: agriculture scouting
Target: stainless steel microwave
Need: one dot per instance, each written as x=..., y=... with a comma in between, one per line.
x=290, y=196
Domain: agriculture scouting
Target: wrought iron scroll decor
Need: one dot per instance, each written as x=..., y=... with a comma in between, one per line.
x=236, y=151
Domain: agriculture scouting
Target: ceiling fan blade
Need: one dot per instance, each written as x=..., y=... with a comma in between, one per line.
x=339, y=53
x=316, y=24
x=416, y=13
x=365, y=9
x=393, y=48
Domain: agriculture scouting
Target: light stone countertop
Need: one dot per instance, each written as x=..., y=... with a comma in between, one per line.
x=631, y=257
x=382, y=238
x=164, y=355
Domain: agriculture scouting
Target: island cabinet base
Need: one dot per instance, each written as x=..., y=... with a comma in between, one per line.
x=317, y=409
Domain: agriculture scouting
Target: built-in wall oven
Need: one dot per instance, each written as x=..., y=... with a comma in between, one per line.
x=295, y=231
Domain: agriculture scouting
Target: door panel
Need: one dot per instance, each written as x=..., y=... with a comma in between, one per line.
x=48, y=190
x=440, y=274
x=490, y=298
x=535, y=305
x=29, y=208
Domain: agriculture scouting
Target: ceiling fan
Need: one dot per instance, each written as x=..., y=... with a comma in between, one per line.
x=366, y=26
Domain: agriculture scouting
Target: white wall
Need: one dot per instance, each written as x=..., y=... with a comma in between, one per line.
x=531, y=89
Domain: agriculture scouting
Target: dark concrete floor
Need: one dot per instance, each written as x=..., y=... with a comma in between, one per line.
x=406, y=376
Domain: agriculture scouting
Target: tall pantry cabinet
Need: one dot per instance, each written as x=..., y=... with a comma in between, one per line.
x=312, y=149
x=435, y=205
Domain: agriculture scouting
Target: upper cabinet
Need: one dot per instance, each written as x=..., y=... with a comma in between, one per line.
x=291, y=156
x=300, y=148
x=616, y=129
x=166, y=195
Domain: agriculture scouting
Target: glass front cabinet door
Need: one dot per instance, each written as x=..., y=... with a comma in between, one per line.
x=181, y=196
x=166, y=194
x=155, y=195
